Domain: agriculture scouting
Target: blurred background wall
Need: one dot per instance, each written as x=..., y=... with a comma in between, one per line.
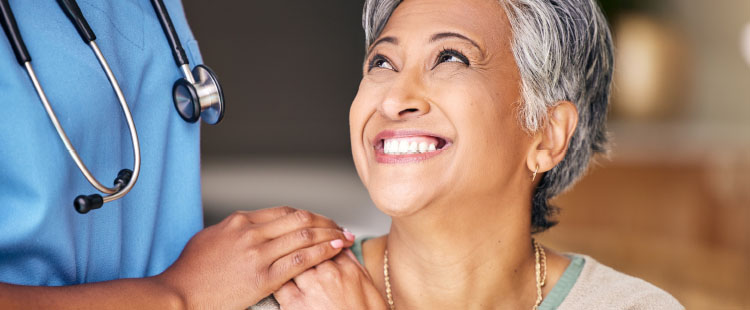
x=670, y=205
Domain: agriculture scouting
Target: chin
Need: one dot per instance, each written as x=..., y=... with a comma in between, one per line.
x=399, y=200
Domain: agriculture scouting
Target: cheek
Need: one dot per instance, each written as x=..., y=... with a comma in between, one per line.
x=363, y=106
x=359, y=113
x=492, y=140
x=502, y=146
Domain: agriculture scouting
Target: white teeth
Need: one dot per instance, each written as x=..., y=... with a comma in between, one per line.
x=413, y=147
x=392, y=147
x=403, y=147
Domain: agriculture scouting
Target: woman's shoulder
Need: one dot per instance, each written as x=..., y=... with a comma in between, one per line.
x=601, y=287
x=366, y=248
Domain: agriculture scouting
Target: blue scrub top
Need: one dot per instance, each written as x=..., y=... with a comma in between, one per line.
x=43, y=241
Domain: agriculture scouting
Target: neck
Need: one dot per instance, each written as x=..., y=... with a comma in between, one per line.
x=477, y=256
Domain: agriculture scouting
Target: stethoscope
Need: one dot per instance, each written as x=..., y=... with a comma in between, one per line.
x=197, y=95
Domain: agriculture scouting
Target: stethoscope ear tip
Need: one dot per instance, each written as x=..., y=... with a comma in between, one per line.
x=123, y=178
x=84, y=204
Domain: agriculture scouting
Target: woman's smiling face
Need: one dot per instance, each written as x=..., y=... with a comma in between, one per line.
x=435, y=121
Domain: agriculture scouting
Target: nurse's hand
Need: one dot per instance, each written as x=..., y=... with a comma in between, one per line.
x=341, y=283
x=249, y=255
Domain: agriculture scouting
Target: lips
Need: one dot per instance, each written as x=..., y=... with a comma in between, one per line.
x=405, y=146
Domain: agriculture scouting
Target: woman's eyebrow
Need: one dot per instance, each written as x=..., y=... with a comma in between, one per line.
x=445, y=35
x=391, y=40
x=436, y=37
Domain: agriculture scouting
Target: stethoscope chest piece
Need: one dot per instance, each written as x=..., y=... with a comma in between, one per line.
x=197, y=95
x=203, y=98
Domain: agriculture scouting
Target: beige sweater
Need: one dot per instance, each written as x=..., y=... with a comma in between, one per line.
x=597, y=287
x=601, y=287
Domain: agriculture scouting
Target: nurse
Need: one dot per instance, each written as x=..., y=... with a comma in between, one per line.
x=146, y=249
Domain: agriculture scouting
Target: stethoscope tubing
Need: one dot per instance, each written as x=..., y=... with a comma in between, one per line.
x=24, y=59
x=117, y=193
x=113, y=193
x=205, y=98
x=185, y=68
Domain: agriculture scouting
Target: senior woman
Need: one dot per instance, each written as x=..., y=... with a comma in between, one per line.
x=471, y=115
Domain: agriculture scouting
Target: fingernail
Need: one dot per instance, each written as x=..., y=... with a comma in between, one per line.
x=337, y=244
x=349, y=236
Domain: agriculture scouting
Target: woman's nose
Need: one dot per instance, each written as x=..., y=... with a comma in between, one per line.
x=404, y=101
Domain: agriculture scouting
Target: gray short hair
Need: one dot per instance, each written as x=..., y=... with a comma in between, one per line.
x=564, y=51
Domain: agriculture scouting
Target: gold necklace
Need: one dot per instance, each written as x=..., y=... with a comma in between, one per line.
x=540, y=268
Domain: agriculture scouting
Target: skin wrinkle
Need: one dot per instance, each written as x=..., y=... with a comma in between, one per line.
x=476, y=193
x=556, y=58
x=541, y=92
x=561, y=53
x=397, y=61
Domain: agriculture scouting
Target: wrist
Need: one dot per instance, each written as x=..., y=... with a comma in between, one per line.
x=172, y=296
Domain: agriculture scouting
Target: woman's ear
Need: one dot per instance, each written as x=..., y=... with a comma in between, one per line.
x=551, y=141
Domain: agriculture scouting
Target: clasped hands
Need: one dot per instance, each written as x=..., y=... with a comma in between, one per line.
x=299, y=256
x=339, y=283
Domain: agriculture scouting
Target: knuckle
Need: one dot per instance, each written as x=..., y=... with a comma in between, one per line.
x=254, y=253
x=252, y=235
x=299, y=259
x=303, y=216
x=305, y=235
x=331, y=273
x=328, y=221
x=236, y=219
x=260, y=279
x=319, y=252
x=286, y=210
x=287, y=295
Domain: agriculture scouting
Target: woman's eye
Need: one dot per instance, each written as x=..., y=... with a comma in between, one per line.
x=380, y=62
x=451, y=56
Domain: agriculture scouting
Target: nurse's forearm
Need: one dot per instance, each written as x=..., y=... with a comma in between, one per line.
x=230, y=265
x=145, y=293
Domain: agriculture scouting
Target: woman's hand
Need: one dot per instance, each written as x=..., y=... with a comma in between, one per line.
x=340, y=283
x=249, y=255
